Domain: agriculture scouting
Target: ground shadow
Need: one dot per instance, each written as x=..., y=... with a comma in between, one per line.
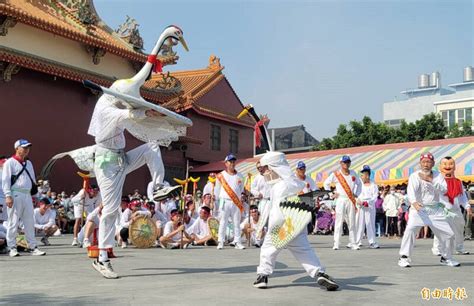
x=43, y=299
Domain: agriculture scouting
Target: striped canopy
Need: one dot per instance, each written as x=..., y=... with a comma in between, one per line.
x=390, y=164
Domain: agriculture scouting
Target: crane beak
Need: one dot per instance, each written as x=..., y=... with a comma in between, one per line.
x=183, y=42
x=243, y=113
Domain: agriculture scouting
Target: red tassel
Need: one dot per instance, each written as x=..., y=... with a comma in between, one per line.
x=157, y=65
x=258, y=133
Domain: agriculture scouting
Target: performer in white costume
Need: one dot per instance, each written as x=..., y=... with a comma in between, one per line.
x=309, y=184
x=453, y=199
x=284, y=184
x=365, y=217
x=424, y=190
x=87, y=199
x=18, y=178
x=230, y=185
x=348, y=188
x=122, y=108
x=260, y=190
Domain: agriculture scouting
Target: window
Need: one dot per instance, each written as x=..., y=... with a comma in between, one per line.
x=444, y=115
x=393, y=123
x=215, y=137
x=469, y=115
x=234, y=141
x=452, y=117
x=460, y=116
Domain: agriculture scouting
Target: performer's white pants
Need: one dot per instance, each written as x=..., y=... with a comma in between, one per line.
x=229, y=210
x=365, y=219
x=22, y=210
x=110, y=178
x=344, y=211
x=438, y=224
x=457, y=225
x=299, y=247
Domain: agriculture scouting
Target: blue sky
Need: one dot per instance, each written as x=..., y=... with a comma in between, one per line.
x=317, y=63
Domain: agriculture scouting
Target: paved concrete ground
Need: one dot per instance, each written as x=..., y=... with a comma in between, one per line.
x=206, y=276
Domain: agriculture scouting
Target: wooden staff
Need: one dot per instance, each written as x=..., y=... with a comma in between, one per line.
x=213, y=182
x=183, y=203
x=247, y=185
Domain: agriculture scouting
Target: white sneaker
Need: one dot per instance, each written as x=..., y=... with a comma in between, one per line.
x=449, y=262
x=74, y=242
x=355, y=247
x=349, y=245
x=404, y=262
x=57, y=233
x=374, y=245
x=462, y=252
x=220, y=245
x=435, y=252
x=239, y=246
x=105, y=268
x=86, y=244
x=335, y=247
x=14, y=252
x=124, y=245
x=37, y=252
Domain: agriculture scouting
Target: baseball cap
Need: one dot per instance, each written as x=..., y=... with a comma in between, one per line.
x=22, y=143
x=365, y=168
x=300, y=165
x=230, y=157
x=345, y=159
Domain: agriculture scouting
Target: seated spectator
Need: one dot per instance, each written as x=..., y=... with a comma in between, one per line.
x=44, y=218
x=199, y=231
x=191, y=209
x=133, y=212
x=62, y=219
x=248, y=229
x=158, y=218
x=173, y=231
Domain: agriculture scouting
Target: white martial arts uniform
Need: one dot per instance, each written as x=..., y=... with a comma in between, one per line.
x=227, y=207
x=365, y=217
x=253, y=235
x=260, y=189
x=168, y=229
x=82, y=201
x=22, y=209
x=94, y=217
x=112, y=163
x=455, y=219
x=344, y=207
x=126, y=217
x=309, y=184
x=199, y=228
x=300, y=248
x=208, y=189
x=432, y=213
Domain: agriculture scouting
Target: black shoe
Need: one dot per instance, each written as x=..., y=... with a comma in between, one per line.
x=261, y=282
x=326, y=281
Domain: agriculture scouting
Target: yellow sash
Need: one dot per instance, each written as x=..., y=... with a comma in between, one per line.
x=230, y=192
x=346, y=187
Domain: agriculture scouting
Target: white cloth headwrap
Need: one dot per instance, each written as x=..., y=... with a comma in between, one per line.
x=277, y=162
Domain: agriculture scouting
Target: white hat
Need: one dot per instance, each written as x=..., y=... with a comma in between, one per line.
x=22, y=143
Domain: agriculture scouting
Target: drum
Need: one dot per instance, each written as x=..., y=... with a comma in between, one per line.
x=142, y=232
x=213, y=225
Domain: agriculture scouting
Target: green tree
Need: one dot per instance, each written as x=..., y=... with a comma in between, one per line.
x=367, y=132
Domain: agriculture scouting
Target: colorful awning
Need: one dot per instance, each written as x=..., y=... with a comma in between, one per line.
x=390, y=164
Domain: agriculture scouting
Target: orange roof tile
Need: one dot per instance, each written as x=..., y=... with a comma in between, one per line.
x=54, y=17
x=194, y=85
